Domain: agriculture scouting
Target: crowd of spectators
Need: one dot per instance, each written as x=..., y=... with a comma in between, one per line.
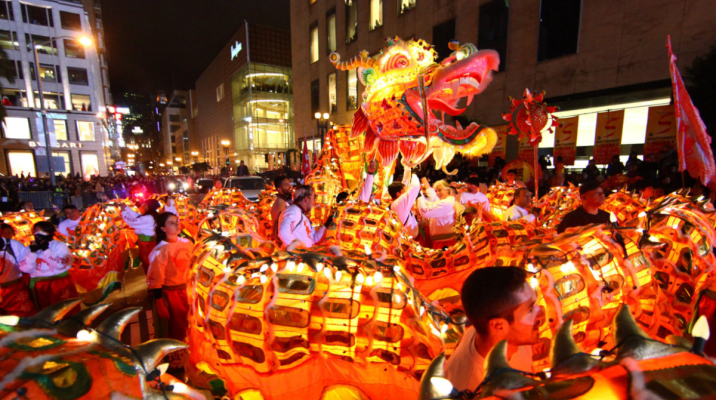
x=73, y=189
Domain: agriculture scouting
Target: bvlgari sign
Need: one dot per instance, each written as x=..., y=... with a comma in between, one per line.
x=66, y=145
x=235, y=49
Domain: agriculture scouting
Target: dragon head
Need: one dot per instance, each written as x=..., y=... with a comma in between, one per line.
x=400, y=80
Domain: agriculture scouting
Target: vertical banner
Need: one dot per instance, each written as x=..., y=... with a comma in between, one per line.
x=500, y=147
x=608, y=140
x=660, y=130
x=565, y=140
x=527, y=152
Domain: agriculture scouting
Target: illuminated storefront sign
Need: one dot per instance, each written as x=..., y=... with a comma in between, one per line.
x=235, y=49
x=52, y=115
x=67, y=145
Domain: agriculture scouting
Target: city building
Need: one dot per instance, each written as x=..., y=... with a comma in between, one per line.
x=174, y=130
x=245, y=98
x=72, y=90
x=139, y=126
x=94, y=13
x=589, y=57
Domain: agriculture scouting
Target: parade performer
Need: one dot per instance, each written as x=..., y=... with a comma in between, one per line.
x=14, y=294
x=169, y=266
x=368, y=183
x=283, y=200
x=521, y=207
x=592, y=196
x=295, y=225
x=67, y=227
x=441, y=210
x=476, y=198
x=500, y=304
x=404, y=195
x=171, y=207
x=48, y=265
x=143, y=225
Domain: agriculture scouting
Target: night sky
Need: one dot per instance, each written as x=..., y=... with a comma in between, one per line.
x=167, y=44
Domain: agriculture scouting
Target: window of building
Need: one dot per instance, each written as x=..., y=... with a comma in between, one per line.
x=332, y=93
x=352, y=93
x=492, y=29
x=315, y=97
x=17, y=128
x=81, y=102
x=376, y=14
x=45, y=45
x=16, y=97
x=219, y=93
x=36, y=15
x=331, y=31
x=73, y=49
x=90, y=164
x=6, y=11
x=48, y=73
x=351, y=21
x=21, y=163
x=175, y=128
x=77, y=76
x=442, y=35
x=60, y=129
x=406, y=5
x=53, y=100
x=70, y=21
x=85, y=131
x=10, y=69
x=65, y=155
x=558, y=28
x=174, y=118
x=314, y=43
x=8, y=40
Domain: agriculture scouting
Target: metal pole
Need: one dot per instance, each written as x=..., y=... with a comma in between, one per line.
x=48, y=148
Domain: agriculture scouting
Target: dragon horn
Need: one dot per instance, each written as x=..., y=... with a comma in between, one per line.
x=71, y=326
x=361, y=60
x=153, y=351
x=115, y=323
x=496, y=358
x=634, y=342
x=566, y=356
x=56, y=311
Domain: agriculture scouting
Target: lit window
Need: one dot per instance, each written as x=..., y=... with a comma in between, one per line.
x=81, y=102
x=219, y=93
x=8, y=40
x=17, y=128
x=332, y=93
x=60, y=129
x=90, y=164
x=65, y=163
x=85, y=131
x=406, y=5
x=331, y=31
x=21, y=162
x=314, y=44
x=376, y=14
x=351, y=21
x=73, y=49
x=352, y=99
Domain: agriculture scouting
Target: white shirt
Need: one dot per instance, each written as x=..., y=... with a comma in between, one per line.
x=142, y=224
x=441, y=213
x=367, y=189
x=169, y=263
x=67, y=227
x=55, y=260
x=403, y=205
x=478, y=199
x=294, y=225
x=516, y=212
x=170, y=207
x=465, y=368
x=12, y=257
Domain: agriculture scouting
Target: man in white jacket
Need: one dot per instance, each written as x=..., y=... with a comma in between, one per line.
x=294, y=224
x=14, y=294
x=439, y=209
x=404, y=195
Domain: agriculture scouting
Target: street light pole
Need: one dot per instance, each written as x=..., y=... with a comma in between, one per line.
x=43, y=111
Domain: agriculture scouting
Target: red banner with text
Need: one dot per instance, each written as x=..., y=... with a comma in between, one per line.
x=608, y=139
x=565, y=140
x=500, y=147
x=527, y=152
x=660, y=130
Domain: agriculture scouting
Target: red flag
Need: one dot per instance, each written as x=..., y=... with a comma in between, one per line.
x=306, y=162
x=692, y=141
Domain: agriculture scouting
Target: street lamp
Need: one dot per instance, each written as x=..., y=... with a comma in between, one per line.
x=226, y=144
x=322, y=125
x=195, y=155
x=85, y=41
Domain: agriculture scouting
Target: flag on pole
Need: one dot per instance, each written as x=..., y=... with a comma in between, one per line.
x=306, y=162
x=692, y=142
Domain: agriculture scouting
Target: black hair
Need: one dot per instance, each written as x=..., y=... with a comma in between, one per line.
x=152, y=207
x=45, y=226
x=588, y=186
x=518, y=191
x=161, y=222
x=512, y=171
x=69, y=207
x=559, y=158
x=340, y=197
x=395, y=188
x=6, y=226
x=278, y=180
x=473, y=181
x=488, y=293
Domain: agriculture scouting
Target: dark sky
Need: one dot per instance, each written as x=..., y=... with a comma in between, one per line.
x=166, y=44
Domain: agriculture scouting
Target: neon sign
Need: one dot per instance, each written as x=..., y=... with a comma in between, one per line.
x=235, y=49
